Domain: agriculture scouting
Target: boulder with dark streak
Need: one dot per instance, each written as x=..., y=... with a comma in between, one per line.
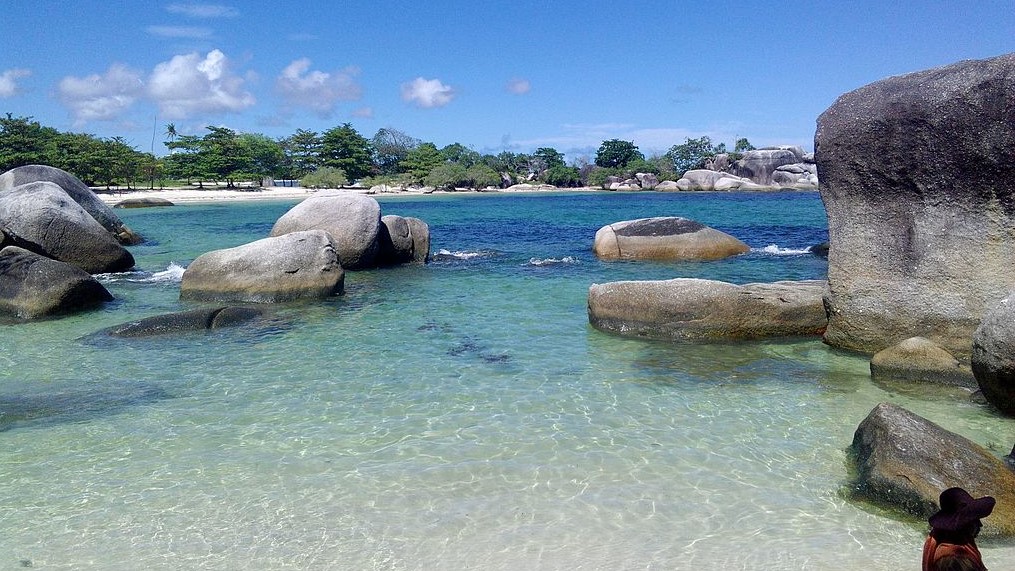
x=666, y=239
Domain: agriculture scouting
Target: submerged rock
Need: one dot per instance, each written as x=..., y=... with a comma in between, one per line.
x=149, y=202
x=919, y=188
x=904, y=462
x=921, y=360
x=187, y=321
x=664, y=238
x=695, y=309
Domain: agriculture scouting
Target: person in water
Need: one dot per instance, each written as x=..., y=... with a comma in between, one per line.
x=951, y=545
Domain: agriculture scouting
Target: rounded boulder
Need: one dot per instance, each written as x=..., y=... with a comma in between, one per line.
x=993, y=358
x=33, y=286
x=665, y=239
x=353, y=220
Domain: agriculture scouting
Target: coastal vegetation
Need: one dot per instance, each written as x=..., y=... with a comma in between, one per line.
x=338, y=156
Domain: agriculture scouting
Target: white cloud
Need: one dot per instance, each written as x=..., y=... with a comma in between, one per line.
x=427, y=93
x=195, y=10
x=9, y=81
x=518, y=86
x=101, y=97
x=189, y=85
x=317, y=90
x=363, y=112
x=180, y=32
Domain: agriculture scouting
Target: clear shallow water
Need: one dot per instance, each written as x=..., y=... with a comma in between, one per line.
x=461, y=415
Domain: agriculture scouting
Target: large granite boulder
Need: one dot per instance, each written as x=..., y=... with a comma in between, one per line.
x=41, y=217
x=148, y=202
x=403, y=240
x=919, y=187
x=696, y=309
x=291, y=267
x=33, y=286
x=669, y=238
x=904, y=461
x=920, y=360
x=77, y=191
x=187, y=321
x=760, y=165
x=353, y=220
x=993, y=359
x=707, y=180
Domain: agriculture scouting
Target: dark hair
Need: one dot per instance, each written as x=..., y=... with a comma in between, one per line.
x=955, y=563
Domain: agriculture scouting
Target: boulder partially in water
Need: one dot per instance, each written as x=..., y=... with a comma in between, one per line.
x=34, y=286
x=147, y=202
x=919, y=359
x=904, y=462
x=41, y=217
x=919, y=188
x=77, y=191
x=696, y=309
x=993, y=359
x=352, y=220
x=291, y=267
x=403, y=240
x=669, y=238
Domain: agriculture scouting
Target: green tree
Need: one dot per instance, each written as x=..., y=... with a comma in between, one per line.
x=303, y=152
x=740, y=147
x=325, y=177
x=480, y=176
x=421, y=160
x=459, y=154
x=616, y=153
x=693, y=153
x=547, y=158
x=267, y=156
x=446, y=176
x=391, y=147
x=25, y=142
x=562, y=176
x=184, y=158
x=344, y=148
x=223, y=156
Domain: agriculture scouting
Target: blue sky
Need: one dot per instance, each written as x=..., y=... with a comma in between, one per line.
x=492, y=75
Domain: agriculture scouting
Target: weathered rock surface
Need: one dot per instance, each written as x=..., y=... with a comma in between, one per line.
x=760, y=165
x=33, y=286
x=921, y=360
x=186, y=321
x=919, y=188
x=706, y=180
x=904, y=461
x=77, y=191
x=143, y=203
x=294, y=266
x=695, y=309
x=41, y=217
x=403, y=240
x=353, y=220
x=664, y=238
x=993, y=358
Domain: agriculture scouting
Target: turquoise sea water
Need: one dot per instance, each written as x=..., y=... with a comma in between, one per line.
x=461, y=415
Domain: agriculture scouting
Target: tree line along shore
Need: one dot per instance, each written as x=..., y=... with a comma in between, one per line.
x=334, y=158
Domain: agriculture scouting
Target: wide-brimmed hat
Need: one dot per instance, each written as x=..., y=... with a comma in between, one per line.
x=959, y=509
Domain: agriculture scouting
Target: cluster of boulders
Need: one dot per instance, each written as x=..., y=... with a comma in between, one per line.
x=55, y=233
x=920, y=196
x=773, y=168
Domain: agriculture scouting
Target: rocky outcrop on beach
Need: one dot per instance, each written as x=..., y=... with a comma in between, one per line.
x=904, y=462
x=919, y=188
x=41, y=217
x=187, y=321
x=77, y=191
x=295, y=266
x=403, y=240
x=920, y=360
x=667, y=238
x=150, y=202
x=772, y=168
x=696, y=309
x=993, y=359
x=34, y=286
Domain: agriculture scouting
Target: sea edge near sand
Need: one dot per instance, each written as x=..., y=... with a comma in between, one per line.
x=181, y=195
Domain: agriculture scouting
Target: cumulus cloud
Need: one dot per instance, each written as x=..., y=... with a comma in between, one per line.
x=196, y=10
x=191, y=32
x=427, y=93
x=189, y=85
x=101, y=97
x=518, y=86
x=9, y=81
x=316, y=90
